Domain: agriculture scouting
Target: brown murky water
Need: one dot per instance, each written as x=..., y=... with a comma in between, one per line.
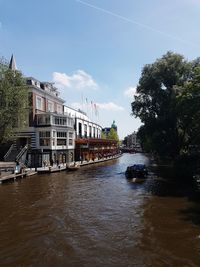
x=95, y=217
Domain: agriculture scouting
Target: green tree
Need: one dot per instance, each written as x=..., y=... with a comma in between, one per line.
x=155, y=103
x=188, y=110
x=103, y=135
x=113, y=135
x=13, y=101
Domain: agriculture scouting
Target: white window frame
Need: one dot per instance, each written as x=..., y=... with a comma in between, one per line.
x=39, y=103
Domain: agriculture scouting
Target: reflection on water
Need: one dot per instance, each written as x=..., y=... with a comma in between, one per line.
x=95, y=217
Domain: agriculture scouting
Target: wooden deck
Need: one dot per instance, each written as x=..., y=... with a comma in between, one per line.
x=51, y=169
x=12, y=177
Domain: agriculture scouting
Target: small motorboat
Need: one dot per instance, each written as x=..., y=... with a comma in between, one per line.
x=74, y=167
x=138, y=180
x=137, y=173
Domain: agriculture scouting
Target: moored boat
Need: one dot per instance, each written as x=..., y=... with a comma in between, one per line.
x=74, y=167
x=138, y=180
x=137, y=173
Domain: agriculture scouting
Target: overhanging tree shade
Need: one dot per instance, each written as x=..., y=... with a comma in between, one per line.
x=168, y=104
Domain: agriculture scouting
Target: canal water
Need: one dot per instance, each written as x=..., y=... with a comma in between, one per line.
x=95, y=217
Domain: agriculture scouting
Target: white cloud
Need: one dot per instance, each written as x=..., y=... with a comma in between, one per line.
x=110, y=106
x=78, y=80
x=130, y=92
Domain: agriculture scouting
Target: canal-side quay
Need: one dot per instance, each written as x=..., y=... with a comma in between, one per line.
x=7, y=169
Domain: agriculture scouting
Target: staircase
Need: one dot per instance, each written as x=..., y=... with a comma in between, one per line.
x=15, y=153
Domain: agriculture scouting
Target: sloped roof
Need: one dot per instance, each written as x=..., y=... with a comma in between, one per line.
x=12, y=64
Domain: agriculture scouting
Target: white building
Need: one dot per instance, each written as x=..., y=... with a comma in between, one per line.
x=84, y=127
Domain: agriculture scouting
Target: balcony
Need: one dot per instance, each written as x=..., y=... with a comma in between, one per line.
x=52, y=119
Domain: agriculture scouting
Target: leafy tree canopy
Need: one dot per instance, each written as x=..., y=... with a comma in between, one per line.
x=103, y=135
x=167, y=95
x=188, y=111
x=13, y=101
x=113, y=134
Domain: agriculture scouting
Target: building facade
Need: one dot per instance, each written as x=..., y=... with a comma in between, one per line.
x=54, y=132
x=49, y=134
x=84, y=127
x=133, y=142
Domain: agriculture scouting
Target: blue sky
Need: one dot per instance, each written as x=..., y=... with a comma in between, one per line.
x=96, y=49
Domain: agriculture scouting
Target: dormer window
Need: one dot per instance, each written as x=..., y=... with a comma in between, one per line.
x=29, y=82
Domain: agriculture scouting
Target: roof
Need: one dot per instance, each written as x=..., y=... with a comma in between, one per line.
x=12, y=64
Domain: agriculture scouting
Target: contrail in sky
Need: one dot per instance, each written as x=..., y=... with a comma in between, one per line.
x=136, y=23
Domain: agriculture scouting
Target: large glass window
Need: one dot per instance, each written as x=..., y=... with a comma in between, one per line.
x=60, y=120
x=62, y=134
x=61, y=138
x=43, y=119
x=61, y=142
x=44, y=138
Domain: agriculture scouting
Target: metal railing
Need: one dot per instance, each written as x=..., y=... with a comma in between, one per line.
x=8, y=152
x=21, y=153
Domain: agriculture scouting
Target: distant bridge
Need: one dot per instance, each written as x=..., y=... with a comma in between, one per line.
x=130, y=150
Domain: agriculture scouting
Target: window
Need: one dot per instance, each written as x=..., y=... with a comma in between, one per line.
x=43, y=119
x=90, y=131
x=29, y=82
x=71, y=139
x=38, y=103
x=44, y=138
x=44, y=134
x=50, y=106
x=44, y=142
x=61, y=138
x=85, y=130
x=47, y=120
x=61, y=142
x=59, y=109
x=80, y=129
x=70, y=135
x=60, y=120
x=62, y=134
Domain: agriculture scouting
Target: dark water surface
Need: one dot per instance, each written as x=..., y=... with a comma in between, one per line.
x=95, y=217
